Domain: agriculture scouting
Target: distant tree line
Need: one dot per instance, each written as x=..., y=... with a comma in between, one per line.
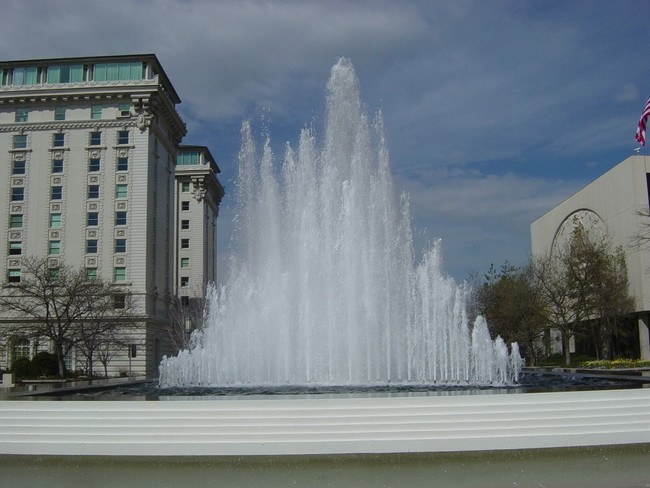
x=578, y=292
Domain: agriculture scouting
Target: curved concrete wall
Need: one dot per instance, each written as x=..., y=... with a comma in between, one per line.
x=314, y=426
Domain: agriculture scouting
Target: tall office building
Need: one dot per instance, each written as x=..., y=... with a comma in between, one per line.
x=94, y=176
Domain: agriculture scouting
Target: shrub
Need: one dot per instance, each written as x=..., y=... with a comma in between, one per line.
x=44, y=364
x=615, y=363
x=21, y=368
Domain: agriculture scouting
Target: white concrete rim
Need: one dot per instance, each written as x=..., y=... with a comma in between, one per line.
x=322, y=426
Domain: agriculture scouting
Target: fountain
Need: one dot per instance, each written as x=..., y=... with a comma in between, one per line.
x=324, y=289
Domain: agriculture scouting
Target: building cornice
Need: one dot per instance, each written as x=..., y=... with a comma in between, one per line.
x=66, y=125
x=81, y=91
x=145, y=106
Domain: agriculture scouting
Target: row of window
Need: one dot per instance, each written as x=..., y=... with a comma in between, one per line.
x=72, y=73
x=94, y=165
x=92, y=219
x=119, y=275
x=54, y=247
x=56, y=192
x=58, y=139
x=22, y=114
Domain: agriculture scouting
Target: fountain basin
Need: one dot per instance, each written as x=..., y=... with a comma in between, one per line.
x=326, y=426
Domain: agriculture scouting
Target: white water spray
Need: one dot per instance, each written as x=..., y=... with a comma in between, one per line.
x=325, y=289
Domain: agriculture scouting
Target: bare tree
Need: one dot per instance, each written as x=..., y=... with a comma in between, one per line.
x=103, y=329
x=554, y=289
x=641, y=238
x=58, y=304
x=186, y=315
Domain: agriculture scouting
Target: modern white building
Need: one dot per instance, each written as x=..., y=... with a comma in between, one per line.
x=615, y=204
x=94, y=176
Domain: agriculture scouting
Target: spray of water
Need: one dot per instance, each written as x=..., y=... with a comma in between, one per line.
x=325, y=288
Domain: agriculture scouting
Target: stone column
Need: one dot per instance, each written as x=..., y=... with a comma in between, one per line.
x=644, y=336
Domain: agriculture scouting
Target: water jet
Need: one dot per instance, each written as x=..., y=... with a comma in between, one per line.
x=324, y=287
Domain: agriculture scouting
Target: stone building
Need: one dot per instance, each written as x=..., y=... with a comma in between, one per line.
x=94, y=175
x=616, y=205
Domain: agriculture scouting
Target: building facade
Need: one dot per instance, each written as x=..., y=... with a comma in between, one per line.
x=613, y=205
x=90, y=179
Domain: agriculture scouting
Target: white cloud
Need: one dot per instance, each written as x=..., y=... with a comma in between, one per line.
x=481, y=218
x=523, y=99
x=628, y=93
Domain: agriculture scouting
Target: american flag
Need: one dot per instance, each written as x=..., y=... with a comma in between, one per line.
x=640, y=130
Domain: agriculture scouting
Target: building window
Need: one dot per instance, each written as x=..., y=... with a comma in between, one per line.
x=121, y=191
x=91, y=246
x=185, y=206
x=120, y=245
x=15, y=221
x=93, y=191
x=185, y=225
x=13, y=275
x=94, y=165
x=20, y=141
x=96, y=112
x=21, y=349
x=56, y=193
x=58, y=139
x=54, y=247
x=120, y=218
x=15, y=248
x=92, y=219
x=59, y=113
x=55, y=221
x=187, y=158
x=67, y=360
x=119, y=301
x=55, y=273
x=65, y=73
x=21, y=115
x=118, y=71
x=185, y=262
x=123, y=137
x=122, y=164
x=185, y=186
x=95, y=138
x=185, y=243
x=91, y=274
x=124, y=109
x=119, y=274
x=25, y=76
x=185, y=281
x=57, y=166
x=18, y=168
x=17, y=194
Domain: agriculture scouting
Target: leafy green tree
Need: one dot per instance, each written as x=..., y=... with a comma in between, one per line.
x=584, y=286
x=612, y=303
x=510, y=303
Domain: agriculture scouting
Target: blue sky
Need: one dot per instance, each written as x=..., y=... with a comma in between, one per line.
x=494, y=111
